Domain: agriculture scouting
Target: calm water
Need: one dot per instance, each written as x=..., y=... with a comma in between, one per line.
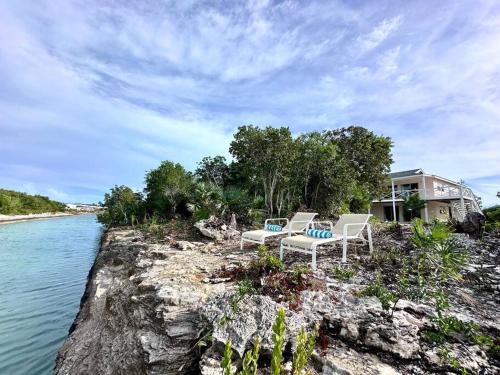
x=43, y=270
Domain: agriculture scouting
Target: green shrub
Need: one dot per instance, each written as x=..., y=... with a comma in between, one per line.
x=244, y=288
x=278, y=342
x=343, y=273
x=305, y=347
x=226, y=361
x=377, y=289
x=492, y=215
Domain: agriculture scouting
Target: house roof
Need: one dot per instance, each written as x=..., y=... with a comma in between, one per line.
x=418, y=172
x=411, y=172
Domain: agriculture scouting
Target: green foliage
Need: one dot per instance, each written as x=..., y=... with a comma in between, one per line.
x=343, y=273
x=244, y=288
x=278, y=342
x=367, y=155
x=267, y=262
x=412, y=206
x=122, y=206
x=455, y=364
x=331, y=171
x=297, y=274
x=267, y=156
x=492, y=215
x=16, y=203
x=250, y=360
x=213, y=170
x=377, y=289
x=167, y=189
x=305, y=347
x=226, y=361
x=208, y=200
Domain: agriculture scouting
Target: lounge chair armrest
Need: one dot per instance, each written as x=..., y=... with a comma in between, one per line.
x=324, y=222
x=275, y=219
x=346, y=226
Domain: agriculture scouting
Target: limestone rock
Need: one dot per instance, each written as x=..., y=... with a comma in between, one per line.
x=255, y=317
x=216, y=229
x=346, y=361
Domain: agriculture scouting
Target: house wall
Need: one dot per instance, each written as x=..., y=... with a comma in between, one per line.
x=377, y=209
x=438, y=210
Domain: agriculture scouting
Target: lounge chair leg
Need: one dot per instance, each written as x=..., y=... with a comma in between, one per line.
x=282, y=252
x=314, y=258
x=344, y=250
x=241, y=244
x=370, y=243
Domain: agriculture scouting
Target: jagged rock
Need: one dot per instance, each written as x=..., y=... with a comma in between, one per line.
x=363, y=320
x=473, y=224
x=139, y=312
x=255, y=317
x=472, y=358
x=340, y=360
x=216, y=229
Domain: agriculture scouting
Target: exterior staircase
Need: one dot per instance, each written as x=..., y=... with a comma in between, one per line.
x=469, y=206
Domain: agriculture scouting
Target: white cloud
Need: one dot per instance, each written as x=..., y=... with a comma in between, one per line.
x=96, y=94
x=379, y=34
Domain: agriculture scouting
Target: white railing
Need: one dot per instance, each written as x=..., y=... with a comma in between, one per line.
x=446, y=192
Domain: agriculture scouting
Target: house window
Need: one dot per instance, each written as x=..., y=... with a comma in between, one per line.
x=406, y=187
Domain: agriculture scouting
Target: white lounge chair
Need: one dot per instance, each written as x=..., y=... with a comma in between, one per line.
x=348, y=227
x=299, y=222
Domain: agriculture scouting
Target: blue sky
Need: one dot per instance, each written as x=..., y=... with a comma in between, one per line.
x=93, y=93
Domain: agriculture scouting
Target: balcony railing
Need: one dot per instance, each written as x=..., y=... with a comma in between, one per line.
x=445, y=192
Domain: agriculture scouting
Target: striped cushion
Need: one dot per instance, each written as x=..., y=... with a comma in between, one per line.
x=274, y=227
x=319, y=233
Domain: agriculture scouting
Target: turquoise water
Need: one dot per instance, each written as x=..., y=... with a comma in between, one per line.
x=43, y=270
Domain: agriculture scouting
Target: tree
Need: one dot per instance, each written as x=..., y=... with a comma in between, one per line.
x=369, y=156
x=412, y=206
x=265, y=155
x=321, y=173
x=167, y=187
x=122, y=207
x=213, y=170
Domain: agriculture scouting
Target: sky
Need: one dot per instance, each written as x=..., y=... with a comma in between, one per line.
x=95, y=93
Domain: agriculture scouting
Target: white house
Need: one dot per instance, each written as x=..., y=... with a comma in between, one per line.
x=444, y=198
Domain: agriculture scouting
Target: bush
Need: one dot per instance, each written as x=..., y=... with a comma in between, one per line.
x=492, y=215
x=122, y=206
x=343, y=273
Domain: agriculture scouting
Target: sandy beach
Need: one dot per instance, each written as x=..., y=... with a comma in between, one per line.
x=6, y=219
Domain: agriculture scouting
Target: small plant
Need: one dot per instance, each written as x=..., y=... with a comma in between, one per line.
x=343, y=273
x=377, y=289
x=244, y=288
x=278, y=341
x=267, y=262
x=297, y=274
x=226, y=361
x=454, y=363
x=305, y=347
x=250, y=360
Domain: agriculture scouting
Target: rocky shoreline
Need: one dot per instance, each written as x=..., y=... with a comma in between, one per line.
x=164, y=305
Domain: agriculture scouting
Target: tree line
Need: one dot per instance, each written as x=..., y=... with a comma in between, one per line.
x=17, y=203
x=272, y=174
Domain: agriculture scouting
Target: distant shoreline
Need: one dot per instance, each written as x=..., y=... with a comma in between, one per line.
x=9, y=219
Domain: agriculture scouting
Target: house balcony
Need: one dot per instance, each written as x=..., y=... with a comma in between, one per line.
x=440, y=193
